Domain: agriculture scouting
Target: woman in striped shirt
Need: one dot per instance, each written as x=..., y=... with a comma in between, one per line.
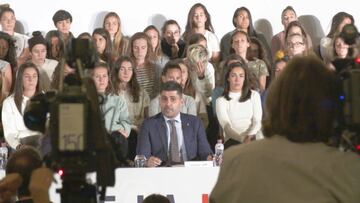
x=147, y=73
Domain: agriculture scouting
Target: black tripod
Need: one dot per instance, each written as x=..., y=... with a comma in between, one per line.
x=76, y=189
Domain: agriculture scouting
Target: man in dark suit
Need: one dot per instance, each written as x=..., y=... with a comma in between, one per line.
x=171, y=137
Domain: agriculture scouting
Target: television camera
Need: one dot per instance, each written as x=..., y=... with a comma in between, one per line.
x=79, y=143
x=348, y=73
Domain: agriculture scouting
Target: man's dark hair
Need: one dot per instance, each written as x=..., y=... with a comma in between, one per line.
x=24, y=161
x=156, y=198
x=171, y=86
x=170, y=65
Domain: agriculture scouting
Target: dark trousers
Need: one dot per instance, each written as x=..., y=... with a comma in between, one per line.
x=120, y=146
x=213, y=129
x=132, y=141
x=230, y=142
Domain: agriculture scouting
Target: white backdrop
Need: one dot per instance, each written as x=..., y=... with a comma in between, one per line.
x=136, y=15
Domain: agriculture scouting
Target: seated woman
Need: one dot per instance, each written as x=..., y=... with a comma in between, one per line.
x=160, y=58
x=338, y=21
x=240, y=43
x=186, y=83
x=202, y=76
x=256, y=51
x=341, y=50
x=242, y=20
x=62, y=20
x=27, y=84
x=278, y=40
x=8, y=21
x=147, y=72
x=136, y=98
x=55, y=45
x=102, y=42
x=295, y=27
x=239, y=109
x=172, y=44
x=38, y=52
x=113, y=107
x=120, y=43
x=114, y=110
x=8, y=64
x=199, y=21
x=296, y=45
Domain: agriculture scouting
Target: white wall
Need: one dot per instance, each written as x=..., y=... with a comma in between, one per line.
x=136, y=15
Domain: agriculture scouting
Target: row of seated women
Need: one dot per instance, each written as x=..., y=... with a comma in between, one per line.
x=169, y=44
x=131, y=70
x=125, y=104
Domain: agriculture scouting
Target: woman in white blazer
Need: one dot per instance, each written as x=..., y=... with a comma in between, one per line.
x=26, y=86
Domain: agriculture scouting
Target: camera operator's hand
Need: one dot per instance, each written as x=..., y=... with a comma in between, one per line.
x=8, y=187
x=40, y=182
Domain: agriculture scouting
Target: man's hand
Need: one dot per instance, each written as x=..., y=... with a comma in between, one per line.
x=8, y=187
x=153, y=162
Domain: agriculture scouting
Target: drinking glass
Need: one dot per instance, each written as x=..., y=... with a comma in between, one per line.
x=140, y=161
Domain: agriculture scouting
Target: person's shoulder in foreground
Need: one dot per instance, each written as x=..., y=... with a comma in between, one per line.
x=277, y=170
x=293, y=163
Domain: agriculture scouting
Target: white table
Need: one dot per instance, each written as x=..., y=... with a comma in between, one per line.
x=183, y=184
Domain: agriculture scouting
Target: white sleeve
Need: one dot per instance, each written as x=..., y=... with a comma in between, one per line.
x=207, y=84
x=221, y=111
x=13, y=124
x=257, y=113
x=222, y=107
x=210, y=75
x=11, y=133
x=213, y=42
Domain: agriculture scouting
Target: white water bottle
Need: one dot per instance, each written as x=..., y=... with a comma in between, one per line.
x=3, y=156
x=219, y=152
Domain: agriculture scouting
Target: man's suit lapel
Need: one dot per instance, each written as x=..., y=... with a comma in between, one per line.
x=162, y=132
